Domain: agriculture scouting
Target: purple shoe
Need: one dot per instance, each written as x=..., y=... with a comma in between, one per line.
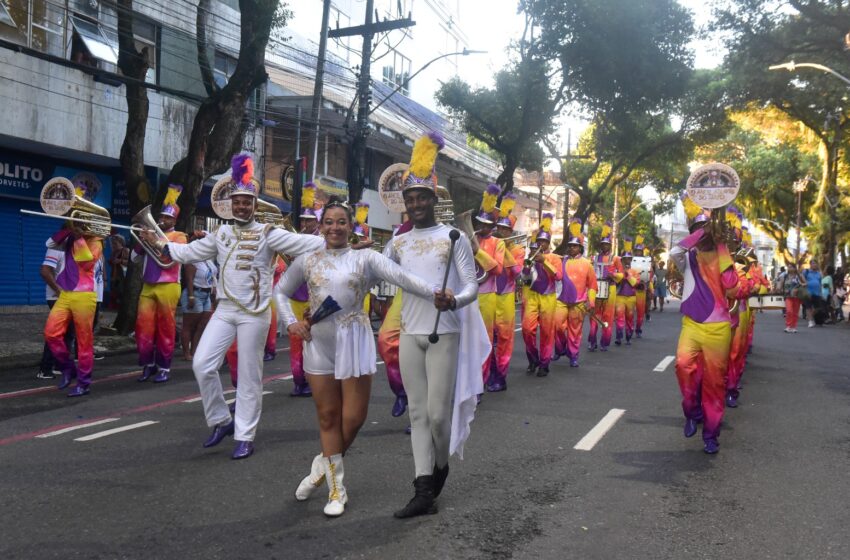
x=301, y=391
x=638, y=334
x=79, y=391
x=161, y=376
x=628, y=342
x=408, y=430
x=67, y=377
x=269, y=356
x=400, y=406
x=243, y=450
x=690, y=427
x=574, y=362
x=603, y=349
x=591, y=347
x=731, y=401
x=219, y=433
x=147, y=372
x=617, y=342
x=498, y=387
x=711, y=446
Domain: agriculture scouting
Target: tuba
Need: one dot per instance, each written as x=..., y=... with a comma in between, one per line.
x=59, y=199
x=144, y=220
x=268, y=213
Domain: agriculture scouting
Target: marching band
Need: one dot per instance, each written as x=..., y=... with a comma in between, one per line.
x=446, y=341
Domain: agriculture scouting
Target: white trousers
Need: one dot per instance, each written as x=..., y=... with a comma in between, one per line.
x=429, y=372
x=250, y=332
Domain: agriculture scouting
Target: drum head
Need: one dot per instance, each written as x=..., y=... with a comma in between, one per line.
x=713, y=185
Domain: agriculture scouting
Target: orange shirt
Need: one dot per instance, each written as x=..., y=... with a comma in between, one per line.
x=578, y=281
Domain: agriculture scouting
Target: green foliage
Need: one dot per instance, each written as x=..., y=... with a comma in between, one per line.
x=511, y=117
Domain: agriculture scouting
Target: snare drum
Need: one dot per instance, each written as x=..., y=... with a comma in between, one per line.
x=602, y=288
x=772, y=301
x=754, y=302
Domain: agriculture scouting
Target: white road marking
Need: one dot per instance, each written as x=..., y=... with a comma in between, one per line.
x=517, y=330
x=599, y=430
x=198, y=399
x=233, y=400
x=117, y=430
x=78, y=427
x=378, y=363
x=662, y=365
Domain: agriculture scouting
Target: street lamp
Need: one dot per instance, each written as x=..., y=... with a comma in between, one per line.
x=792, y=66
x=799, y=188
x=464, y=52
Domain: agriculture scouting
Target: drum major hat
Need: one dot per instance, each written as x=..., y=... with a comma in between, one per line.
x=169, y=204
x=242, y=176
x=505, y=209
x=627, y=247
x=575, y=236
x=605, y=236
x=545, y=232
x=488, y=204
x=308, y=201
x=421, y=173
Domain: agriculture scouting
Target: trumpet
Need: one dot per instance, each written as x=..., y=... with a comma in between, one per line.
x=593, y=316
x=529, y=262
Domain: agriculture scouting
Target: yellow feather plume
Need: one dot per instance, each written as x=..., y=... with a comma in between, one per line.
x=362, y=213
x=575, y=229
x=308, y=196
x=627, y=245
x=606, y=231
x=546, y=223
x=507, y=207
x=80, y=192
x=172, y=195
x=692, y=210
x=638, y=240
x=423, y=157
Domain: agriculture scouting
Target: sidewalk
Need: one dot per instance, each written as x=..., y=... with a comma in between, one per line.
x=22, y=338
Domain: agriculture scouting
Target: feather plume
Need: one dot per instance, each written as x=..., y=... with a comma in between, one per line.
x=308, y=195
x=627, y=244
x=692, y=210
x=606, y=230
x=507, y=206
x=437, y=139
x=242, y=169
x=575, y=228
x=424, y=156
x=361, y=212
x=488, y=201
x=638, y=240
x=546, y=222
x=80, y=191
x=172, y=195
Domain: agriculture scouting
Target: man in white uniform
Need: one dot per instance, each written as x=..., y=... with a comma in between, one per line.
x=246, y=253
x=432, y=374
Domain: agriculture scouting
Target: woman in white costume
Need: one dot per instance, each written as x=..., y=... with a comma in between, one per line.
x=339, y=354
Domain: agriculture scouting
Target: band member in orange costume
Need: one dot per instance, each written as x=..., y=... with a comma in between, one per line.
x=609, y=270
x=578, y=294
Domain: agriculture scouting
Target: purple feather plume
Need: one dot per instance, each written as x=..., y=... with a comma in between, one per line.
x=493, y=188
x=241, y=169
x=437, y=139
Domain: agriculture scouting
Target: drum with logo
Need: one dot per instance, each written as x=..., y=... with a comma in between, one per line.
x=602, y=289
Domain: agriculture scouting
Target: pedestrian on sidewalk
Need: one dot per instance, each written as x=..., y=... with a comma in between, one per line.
x=660, y=287
x=789, y=284
x=814, y=305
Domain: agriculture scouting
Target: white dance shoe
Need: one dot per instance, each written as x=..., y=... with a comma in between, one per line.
x=337, y=497
x=312, y=481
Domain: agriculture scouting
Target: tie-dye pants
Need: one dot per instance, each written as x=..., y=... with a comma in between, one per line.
x=605, y=310
x=625, y=316
x=296, y=345
x=538, y=310
x=79, y=308
x=569, y=320
x=487, y=304
x=702, y=357
x=640, y=310
x=155, y=324
x=738, y=353
x=504, y=336
x=388, y=342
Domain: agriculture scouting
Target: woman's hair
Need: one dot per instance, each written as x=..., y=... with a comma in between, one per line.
x=337, y=202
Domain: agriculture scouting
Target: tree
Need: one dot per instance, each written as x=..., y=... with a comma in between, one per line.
x=759, y=35
x=219, y=126
x=770, y=154
x=514, y=115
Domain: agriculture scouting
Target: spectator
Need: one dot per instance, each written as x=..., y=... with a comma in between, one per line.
x=835, y=302
x=99, y=281
x=813, y=284
x=778, y=282
x=196, y=303
x=54, y=262
x=827, y=291
x=118, y=265
x=660, y=281
x=790, y=286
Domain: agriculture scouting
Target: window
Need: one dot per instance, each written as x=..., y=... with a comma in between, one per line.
x=336, y=20
x=223, y=67
x=92, y=43
x=39, y=24
x=144, y=34
x=399, y=73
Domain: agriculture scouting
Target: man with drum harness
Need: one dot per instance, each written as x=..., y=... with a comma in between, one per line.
x=640, y=290
x=246, y=251
x=155, y=324
x=609, y=270
x=505, y=296
x=626, y=295
x=702, y=355
x=83, y=247
x=740, y=310
x=578, y=294
x=761, y=287
x=490, y=258
x=542, y=269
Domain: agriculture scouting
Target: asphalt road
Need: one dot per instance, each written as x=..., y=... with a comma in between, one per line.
x=777, y=489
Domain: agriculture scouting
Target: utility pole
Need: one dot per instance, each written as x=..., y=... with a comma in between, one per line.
x=357, y=155
x=318, y=86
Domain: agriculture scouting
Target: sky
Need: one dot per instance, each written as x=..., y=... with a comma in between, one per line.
x=491, y=24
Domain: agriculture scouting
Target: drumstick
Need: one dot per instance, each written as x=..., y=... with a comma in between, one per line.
x=454, y=235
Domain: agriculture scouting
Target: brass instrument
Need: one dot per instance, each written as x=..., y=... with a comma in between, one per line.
x=268, y=213
x=444, y=208
x=518, y=239
x=529, y=262
x=59, y=200
x=144, y=221
x=593, y=316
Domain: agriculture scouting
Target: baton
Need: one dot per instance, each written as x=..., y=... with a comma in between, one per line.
x=454, y=235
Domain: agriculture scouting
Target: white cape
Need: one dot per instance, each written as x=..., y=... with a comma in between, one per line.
x=473, y=351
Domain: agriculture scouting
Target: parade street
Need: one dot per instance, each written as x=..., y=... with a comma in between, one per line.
x=122, y=473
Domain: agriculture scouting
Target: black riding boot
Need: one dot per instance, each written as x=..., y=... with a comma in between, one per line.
x=422, y=502
x=440, y=476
